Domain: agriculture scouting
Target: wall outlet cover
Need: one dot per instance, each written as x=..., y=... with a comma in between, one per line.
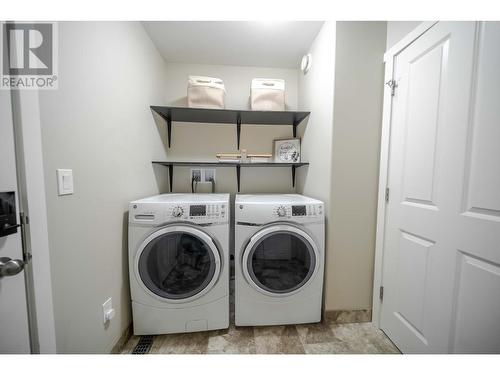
x=202, y=175
x=196, y=175
x=208, y=175
x=108, y=312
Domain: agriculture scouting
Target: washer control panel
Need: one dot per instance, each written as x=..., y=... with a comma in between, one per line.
x=198, y=212
x=281, y=211
x=299, y=210
x=177, y=211
x=195, y=212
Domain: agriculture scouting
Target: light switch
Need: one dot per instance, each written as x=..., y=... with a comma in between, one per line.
x=65, y=181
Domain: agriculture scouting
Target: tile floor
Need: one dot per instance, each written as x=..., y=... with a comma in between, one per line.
x=327, y=337
x=320, y=338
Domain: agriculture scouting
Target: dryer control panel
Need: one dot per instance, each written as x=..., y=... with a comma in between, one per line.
x=263, y=209
x=298, y=211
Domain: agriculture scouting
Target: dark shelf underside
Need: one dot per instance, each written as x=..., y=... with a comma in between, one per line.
x=228, y=164
x=229, y=116
x=238, y=166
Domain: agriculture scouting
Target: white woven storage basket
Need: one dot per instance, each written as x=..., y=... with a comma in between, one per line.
x=206, y=92
x=267, y=94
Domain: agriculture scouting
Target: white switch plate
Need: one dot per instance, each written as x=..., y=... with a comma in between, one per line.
x=65, y=181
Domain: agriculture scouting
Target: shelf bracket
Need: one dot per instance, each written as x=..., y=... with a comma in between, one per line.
x=295, y=124
x=169, y=130
x=238, y=175
x=238, y=130
x=293, y=174
x=168, y=119
x=171, y=176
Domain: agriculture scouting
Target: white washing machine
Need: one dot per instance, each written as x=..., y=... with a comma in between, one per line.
x=279, y=259
x=179, y=263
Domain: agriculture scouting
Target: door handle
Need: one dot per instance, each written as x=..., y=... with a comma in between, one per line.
x=10, y=267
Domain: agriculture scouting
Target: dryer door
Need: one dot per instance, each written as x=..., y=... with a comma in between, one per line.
x=178, y=263
x=280, y=260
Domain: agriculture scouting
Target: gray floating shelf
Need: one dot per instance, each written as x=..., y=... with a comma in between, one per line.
x=229, y=116
x=238, y=166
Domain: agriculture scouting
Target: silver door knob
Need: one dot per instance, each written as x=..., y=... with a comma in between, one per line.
x=10, y=267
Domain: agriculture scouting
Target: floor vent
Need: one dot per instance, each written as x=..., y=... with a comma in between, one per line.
x=143, y=345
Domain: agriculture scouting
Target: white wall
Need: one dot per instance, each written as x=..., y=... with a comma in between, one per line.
x=396, y=30
x=359, y=85
x=344, y=90
x=203, y=142
x=316, y=90
x=99, y=124
x=316, y=95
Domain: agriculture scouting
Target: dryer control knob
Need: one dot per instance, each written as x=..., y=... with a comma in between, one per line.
x=281, y=211
x=177, y=212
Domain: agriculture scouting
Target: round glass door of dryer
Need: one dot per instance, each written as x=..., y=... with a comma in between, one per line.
x=178, y=263
x=280, y=261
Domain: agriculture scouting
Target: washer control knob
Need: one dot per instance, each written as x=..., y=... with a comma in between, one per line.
x=177, y=211
x=281, y=211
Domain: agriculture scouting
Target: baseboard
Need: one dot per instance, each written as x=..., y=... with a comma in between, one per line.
x=120, y=344
x=348, y=316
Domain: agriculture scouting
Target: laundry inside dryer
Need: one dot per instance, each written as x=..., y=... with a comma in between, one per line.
x=281, y=262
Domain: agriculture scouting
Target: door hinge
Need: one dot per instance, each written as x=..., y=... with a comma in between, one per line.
x=381, y=293
x=392, y=84
x=23, y=218
x=387, y=194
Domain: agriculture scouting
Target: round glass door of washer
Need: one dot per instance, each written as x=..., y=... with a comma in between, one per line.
x=178, y=263
x=280, y=260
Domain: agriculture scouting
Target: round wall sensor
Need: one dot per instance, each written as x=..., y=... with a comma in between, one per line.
x=305, y=64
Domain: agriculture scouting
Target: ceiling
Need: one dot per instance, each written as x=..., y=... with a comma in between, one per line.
x=245, y=43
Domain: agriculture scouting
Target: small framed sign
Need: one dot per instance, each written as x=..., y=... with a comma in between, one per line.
x=287, y=150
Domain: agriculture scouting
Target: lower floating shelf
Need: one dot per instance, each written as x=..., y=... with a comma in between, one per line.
x=238, y=166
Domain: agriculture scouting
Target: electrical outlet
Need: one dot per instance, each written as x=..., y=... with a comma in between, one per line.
x=203, y=175
x=108, y=311
x=196, y=175
x=209, y=175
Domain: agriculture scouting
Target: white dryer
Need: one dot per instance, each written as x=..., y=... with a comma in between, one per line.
x=279, y=259
x=179, y=263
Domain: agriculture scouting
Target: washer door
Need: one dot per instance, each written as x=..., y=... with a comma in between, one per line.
x=178, y=263
x=280, y=260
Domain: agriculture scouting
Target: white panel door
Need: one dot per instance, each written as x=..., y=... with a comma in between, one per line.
x=14, y=334
x=441, y=268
